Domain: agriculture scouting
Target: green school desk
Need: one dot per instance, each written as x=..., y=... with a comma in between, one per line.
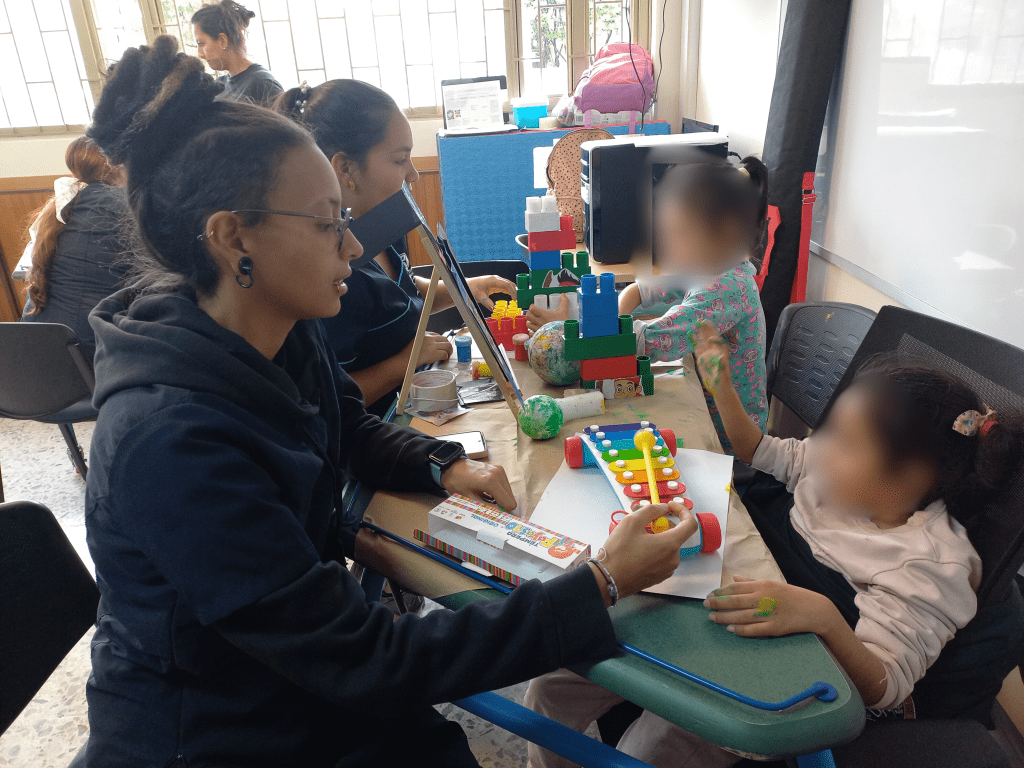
x=674, y=629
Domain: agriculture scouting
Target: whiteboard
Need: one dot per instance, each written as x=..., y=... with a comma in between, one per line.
x=921, y=168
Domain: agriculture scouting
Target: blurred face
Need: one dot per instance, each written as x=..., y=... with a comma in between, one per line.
x=211, y=50
x=387, y=167
x=858, y=475
x=685, y=243
x=299, y=265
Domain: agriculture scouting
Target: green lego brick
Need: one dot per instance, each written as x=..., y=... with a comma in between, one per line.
x=588, y=384
x=643, y=365
x=625, y=323
x=598, y=346
x=647, y=381
x=537, y=277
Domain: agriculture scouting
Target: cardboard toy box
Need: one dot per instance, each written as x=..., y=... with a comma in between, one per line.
x=513, y=549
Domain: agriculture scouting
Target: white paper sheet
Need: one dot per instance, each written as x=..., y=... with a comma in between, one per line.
x=579, y=503
x=473, y=106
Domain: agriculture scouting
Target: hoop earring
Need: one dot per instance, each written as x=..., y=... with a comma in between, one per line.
x=245, y=266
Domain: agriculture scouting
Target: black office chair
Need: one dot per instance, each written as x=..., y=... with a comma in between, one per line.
x=48, y=601
x=449, y=318
x=813, y=346
x=956, y=734
x=46, y=378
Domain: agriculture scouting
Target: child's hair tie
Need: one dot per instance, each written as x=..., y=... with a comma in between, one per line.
x=971, y=423
x=304, y=91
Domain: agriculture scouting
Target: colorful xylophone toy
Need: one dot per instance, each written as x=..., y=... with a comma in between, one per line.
x=631, y=457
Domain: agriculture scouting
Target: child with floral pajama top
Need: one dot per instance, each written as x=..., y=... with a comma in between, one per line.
x=709, y=216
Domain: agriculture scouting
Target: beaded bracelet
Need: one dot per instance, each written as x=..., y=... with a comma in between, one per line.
x=613, y=591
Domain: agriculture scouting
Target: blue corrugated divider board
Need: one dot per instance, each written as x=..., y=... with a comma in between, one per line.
x=485, y=181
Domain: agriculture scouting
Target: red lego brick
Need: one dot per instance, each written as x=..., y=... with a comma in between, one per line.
x=562, y=240
x=608, y=368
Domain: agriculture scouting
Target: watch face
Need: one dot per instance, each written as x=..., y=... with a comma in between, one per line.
x=447, y=453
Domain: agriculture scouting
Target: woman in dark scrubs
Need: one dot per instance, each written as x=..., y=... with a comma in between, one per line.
x=369, y=143
x=229, y=632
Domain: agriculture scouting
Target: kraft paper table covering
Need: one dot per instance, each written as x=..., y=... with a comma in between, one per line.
x=678, y=404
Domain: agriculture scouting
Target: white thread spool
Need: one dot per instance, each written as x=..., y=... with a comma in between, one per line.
x=433, y=391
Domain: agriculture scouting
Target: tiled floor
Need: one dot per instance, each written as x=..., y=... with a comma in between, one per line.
x=35, y=466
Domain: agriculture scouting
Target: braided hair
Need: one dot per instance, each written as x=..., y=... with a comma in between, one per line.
x=188, y=155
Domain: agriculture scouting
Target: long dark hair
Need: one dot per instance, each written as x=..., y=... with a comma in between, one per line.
x=347, y=116
x=187, y=155
x=87, y=164
x=720, y=190
x=914, y=407
x=226, y=18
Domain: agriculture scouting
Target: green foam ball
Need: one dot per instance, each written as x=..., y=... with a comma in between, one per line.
x=541, y=417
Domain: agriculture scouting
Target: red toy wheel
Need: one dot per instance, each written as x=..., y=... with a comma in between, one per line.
x=712, y=538
x=574, y=452
x=670, y=440
x=617, y=516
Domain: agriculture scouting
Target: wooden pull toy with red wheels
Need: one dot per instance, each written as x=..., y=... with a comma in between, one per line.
x=638, y=461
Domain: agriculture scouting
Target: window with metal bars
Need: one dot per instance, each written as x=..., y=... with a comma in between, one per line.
x=54, y=52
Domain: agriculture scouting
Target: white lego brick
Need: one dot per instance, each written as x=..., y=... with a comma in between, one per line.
x=549, y=203
x=542, y=221
x=574, y=306
x=533, y=205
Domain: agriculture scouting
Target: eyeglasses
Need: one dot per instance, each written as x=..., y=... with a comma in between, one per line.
x=340, y=224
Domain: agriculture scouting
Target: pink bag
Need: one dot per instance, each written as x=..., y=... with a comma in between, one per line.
x=610, y=83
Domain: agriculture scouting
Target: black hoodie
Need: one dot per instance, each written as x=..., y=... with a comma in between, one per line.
x=226, y=634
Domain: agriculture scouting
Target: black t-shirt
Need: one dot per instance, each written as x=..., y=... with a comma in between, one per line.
x=378, y=317
x=254, y=84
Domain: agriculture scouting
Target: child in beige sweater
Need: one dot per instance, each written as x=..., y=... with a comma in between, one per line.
x=878, y=495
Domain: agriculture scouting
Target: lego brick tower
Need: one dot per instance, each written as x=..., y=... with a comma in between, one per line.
x=604, y=343
x=554, y=269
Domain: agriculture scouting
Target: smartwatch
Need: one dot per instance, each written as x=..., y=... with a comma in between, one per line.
x=443, y=456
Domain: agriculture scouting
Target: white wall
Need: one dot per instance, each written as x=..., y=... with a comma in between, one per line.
x=739, y=45
x=33, y=155
x=44, y=155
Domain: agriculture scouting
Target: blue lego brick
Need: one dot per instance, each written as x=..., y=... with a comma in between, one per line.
x=592, y=326
x=598, y=298
x=600, y=305
x=545, y=260
x=592, y=285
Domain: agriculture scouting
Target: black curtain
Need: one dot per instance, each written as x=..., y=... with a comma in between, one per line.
x=812, y=42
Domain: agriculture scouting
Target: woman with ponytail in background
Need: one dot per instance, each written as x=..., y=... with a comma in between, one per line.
x=220, y=29
x=229, y=631
x=368, y=140
x=77, y=245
